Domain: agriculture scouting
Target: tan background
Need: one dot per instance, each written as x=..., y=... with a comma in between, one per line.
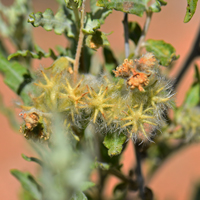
x=175, y=179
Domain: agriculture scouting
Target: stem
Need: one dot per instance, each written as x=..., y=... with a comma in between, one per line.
x=133, y=185
x=144, y=32
x=80, y=42
x=140, y=178
x=126, y=34
x=193, y=54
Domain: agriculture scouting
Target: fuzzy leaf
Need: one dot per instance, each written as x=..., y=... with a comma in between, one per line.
x=28, y=183
x=91, y=24
x=163, y=51
x=99, y=13
x=40, y=53
x=79, y=196
x=32, y=159
x=98, y=39
x=136, y=7
x=72, y=4
x=16, y=77
x=10, y=114
x=114, y=143
x=60, y=23
x=86, y=185
x=191, y=8
x=135, y=31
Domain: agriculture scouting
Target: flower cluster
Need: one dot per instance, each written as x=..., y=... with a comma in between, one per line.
x=134, y=108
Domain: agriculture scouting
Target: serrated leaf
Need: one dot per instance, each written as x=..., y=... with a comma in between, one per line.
x=136, y=7
x=40, y=53
x=114, y=142
x=135, y=31
x=60, y=23
x=72, y=4
x=190, y=10
x=17, y=77
x=32, y=159
x=98, y=39
x=87, y=185
x=91, y=24
x=79, y=196
x=163, y=51
x=28, y=183
x=99, y=13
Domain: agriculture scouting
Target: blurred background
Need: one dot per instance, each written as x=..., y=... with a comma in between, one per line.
x=176, y=178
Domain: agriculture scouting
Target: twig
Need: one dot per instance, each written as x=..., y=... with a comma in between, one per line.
x=126, y=34
x=144, y=32
x=80, y=42
x=140, y=178
x=133, y=185
x=193, y=54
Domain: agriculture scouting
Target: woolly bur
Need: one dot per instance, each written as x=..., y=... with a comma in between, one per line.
x=134, y=109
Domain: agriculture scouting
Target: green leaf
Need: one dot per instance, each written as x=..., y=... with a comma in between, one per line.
x=136, y=7
x=163, y=3
x=32, y=159
x=99, y=13
x=193, y=95
x=190, y=10
x=17, y=77
x=163, y=51
x=79, y=196
x=102, y=165
x=86, y=185
x=114, y=142
x=91, y=24
x=28, y=183
x=135, y=31
x=98, y=39
x=60, y=23
x=73, y=4
x=155, y=7
x=40, y=53
x=10, y=114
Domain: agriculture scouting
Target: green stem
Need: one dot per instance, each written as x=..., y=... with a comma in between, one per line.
x=80, y=43
x=144, y=32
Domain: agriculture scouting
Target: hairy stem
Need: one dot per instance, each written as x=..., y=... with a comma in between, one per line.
x=139, y=175
x=80, y=42
x=144, y=32
x=126, y=34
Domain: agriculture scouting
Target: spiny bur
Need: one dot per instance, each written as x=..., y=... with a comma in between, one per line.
x=133, y=108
